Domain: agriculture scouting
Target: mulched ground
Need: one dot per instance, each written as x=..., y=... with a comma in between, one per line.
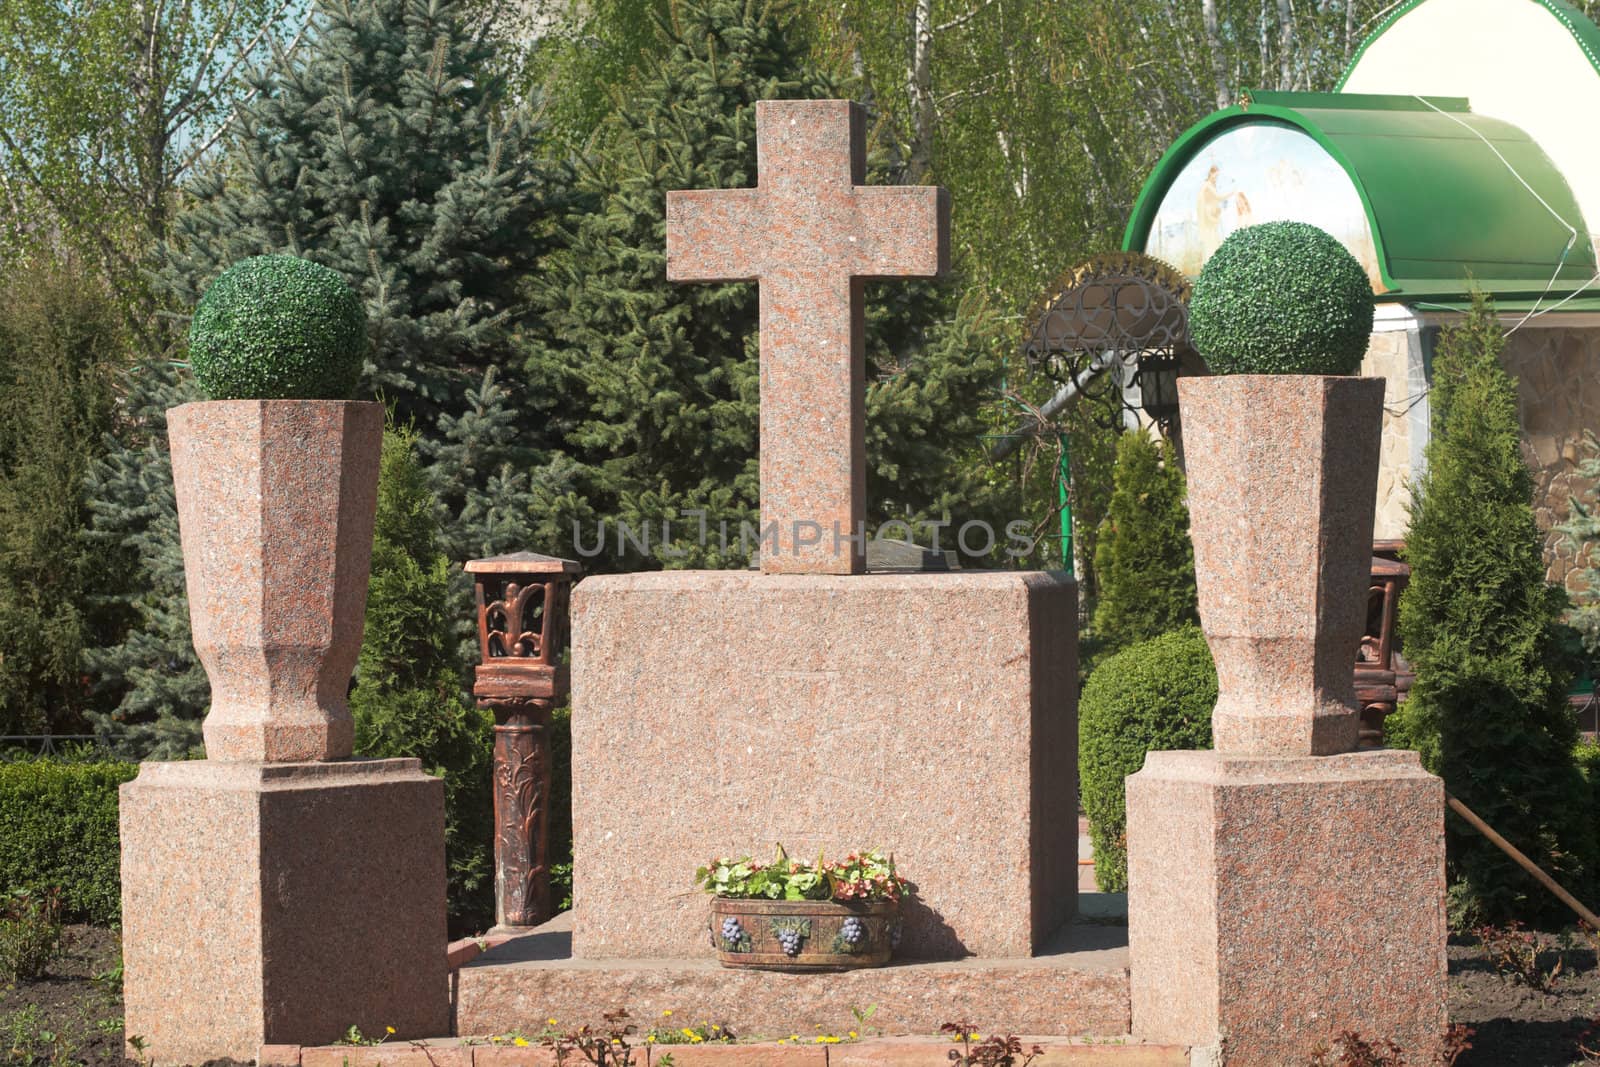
x=1518, y=1026
x=71, y=1017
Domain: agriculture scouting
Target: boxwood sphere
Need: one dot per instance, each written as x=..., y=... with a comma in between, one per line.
x=278, y=328
x=1281, y=298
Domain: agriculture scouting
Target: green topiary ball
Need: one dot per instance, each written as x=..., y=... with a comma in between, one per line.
x=1281, y=298
x=278, y=328
x=1153, y=696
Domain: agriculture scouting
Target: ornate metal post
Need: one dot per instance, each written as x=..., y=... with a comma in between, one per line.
x=522, y=633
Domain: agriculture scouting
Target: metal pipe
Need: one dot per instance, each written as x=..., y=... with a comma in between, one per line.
x=1522, y=861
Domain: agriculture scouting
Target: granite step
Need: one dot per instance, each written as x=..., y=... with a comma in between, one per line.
x=1077, y=988
x=865, y=1052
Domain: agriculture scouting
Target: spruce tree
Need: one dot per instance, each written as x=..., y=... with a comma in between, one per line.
x=408, y=699
x=384, y=149
x=60, y=343
x=658, y=382
x=1144, y=559
x=1482, y=628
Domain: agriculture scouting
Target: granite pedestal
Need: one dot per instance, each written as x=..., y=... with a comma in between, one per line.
x=281, y=903
x=931, y=715
x=1275, y=902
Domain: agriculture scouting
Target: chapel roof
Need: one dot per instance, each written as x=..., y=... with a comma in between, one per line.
x=1442, y=189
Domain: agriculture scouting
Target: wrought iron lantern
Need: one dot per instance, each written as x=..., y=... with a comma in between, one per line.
x=1120, y=323
x=522, y=638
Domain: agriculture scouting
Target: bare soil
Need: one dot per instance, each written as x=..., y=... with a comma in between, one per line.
x=74, y=1014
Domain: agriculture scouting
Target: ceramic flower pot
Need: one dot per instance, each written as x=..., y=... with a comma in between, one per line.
x=803, y=935
x=1282, y=474
x=276, y=502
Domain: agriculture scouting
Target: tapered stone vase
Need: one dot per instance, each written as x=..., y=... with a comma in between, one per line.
x=1282, y=474
x=276, y=502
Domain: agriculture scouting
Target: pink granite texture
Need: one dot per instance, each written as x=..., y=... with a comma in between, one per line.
x=1275, y=902
x=276, y=500
x=809, y=232
x=1282, y=485
x=1080, y=987
x=280, y=903
x=931, y=715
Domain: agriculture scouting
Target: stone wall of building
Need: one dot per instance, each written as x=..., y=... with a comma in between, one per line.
x=1389, y=356
x=1558, y=385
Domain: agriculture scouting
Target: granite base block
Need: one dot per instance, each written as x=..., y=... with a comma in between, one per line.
x=1275, y=902
x=931, y=715
x=1079, y=986
x=281, y=904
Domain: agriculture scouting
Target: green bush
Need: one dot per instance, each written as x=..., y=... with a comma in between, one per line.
x=60, y=832
x=1281, y=298
x=1483, y=628
x=30, y=932
x=278, y=328
x=1154, y=696
x=1144, y=558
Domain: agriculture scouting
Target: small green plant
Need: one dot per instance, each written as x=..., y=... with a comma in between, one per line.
x=30, y=932
x=354, y=1036
x=278, y=328
x=701, y=1033
x=1350, y=1049
x=994, y=1051
x=1281, y=298
x=1514, y=952
x=862, y=876
x=611, y=1045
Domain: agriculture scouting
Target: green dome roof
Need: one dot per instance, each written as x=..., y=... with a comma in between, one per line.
x=1445, y=210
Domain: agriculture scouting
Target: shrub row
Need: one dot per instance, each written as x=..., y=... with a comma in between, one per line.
x=60, y=824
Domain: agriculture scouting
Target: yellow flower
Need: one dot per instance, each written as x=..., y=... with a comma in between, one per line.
x=390, y=1029
x=521, y=1042
x=852, y=1033
x=616, y=1041
x=974, y=1037
x=551, y=1022
x=649, y=1039
x=667, y=1012
x=686, y=1032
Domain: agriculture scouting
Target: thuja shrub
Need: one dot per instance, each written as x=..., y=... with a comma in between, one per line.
x=60, y=833
x=278, y=328
x=1144, y=558
x=1152, y=696
x=1483, y=629
x=1281, y=298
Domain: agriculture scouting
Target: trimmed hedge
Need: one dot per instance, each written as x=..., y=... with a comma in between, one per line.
x=60, y=830
x=1153, y=696
x=1281, y=298
x=278, y=328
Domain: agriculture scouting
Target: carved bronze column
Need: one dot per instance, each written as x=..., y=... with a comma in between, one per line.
x=522, y=634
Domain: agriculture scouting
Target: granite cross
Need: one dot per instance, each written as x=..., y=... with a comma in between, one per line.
x=810, y=232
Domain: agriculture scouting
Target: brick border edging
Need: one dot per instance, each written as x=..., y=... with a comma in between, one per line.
x=870, y=1052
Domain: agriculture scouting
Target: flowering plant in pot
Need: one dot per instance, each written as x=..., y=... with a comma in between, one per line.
x=799, y=915
x=276, y=482
x=1281, y=447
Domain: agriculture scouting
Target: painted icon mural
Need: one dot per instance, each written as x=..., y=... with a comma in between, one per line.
x=1259, y=172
